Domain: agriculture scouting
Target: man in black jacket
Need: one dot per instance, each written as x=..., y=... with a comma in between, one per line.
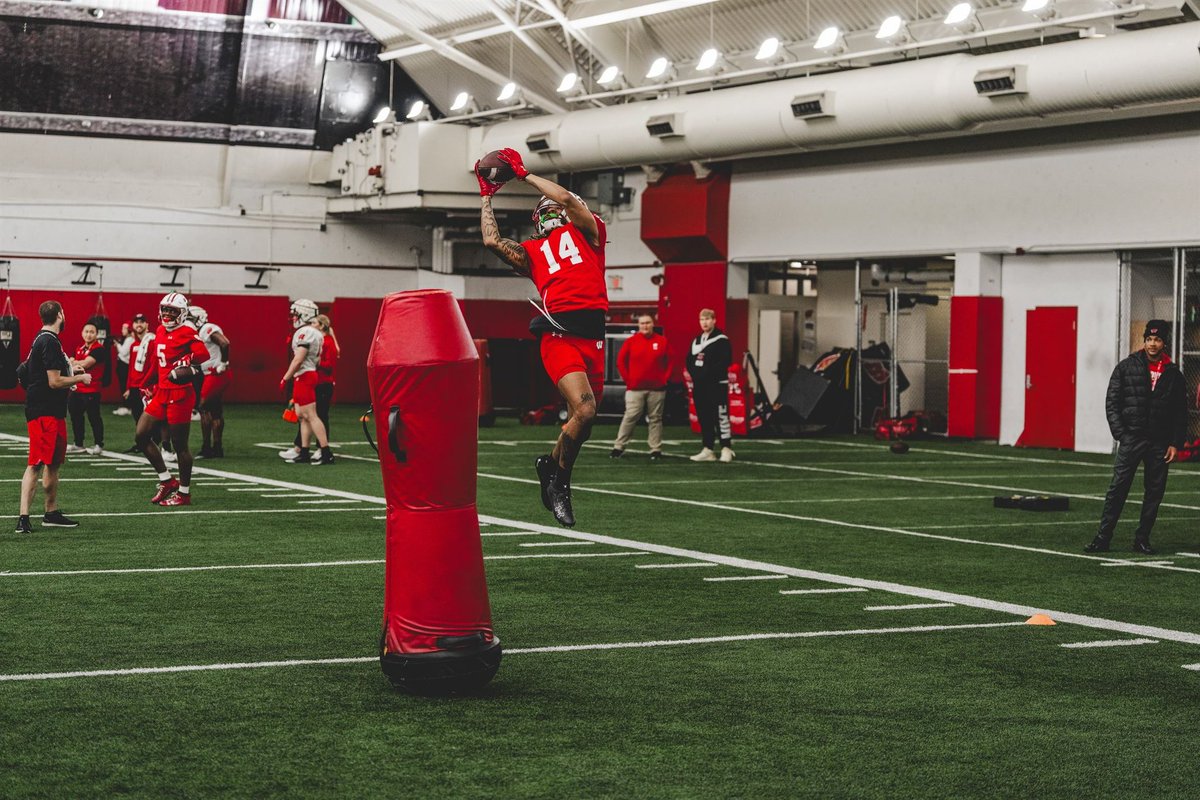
x=1147, y=414
x=708, y=365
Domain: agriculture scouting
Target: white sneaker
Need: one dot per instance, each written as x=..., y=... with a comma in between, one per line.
x=122, y=411
x=74, y=450
x=169, y=457
x=704, y=455
x=726, y=455
x=290, y=454
x=95, y=450
x=195, y=416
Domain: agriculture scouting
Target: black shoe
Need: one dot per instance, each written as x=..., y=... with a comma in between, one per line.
x=23, y=525
x=560, y=504
x=655, y=455
x=219, y=451
x=546, y=468
x=55, y=519
x=616, y=453
x=134, y=450
x=1143, y=547
x=305, y=457
x=1096, y=545
x=206, y=452
x=323, y=461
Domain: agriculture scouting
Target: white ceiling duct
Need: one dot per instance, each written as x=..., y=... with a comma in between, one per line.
x=926, y=98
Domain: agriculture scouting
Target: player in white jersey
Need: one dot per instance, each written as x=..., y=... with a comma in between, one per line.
x=306, y=356
x=217, y=379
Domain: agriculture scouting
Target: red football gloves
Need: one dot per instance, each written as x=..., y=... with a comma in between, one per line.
x=513, y=159
x=486, y=187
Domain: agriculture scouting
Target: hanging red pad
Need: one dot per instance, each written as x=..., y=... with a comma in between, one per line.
x=423, y=370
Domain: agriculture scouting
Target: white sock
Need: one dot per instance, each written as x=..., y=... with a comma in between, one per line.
x=184, y=489
x=164, y=476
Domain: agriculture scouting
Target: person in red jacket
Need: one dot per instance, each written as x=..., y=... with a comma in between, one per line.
x=645, y=367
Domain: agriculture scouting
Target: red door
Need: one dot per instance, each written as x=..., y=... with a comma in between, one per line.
x=1050, y=354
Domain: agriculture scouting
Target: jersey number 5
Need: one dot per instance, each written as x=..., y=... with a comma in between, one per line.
x=567, y=251
x=162, y=355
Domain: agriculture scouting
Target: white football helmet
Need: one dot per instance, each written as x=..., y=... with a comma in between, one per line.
x=303, y=312
x=172, y=310
x=197, y=316
x=548, y=215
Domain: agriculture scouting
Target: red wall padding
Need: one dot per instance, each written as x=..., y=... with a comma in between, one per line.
x=685, y=219
x=257, y=327
x=976, y=356
x=687, y=288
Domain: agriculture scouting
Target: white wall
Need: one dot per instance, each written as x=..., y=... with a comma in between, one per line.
x=1062, y=190
x=1088, y=281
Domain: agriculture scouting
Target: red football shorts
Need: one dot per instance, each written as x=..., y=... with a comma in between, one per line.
x=563, y=354
x=47, y=441
x=304, y=388
x=172, y=403
x=214, y=385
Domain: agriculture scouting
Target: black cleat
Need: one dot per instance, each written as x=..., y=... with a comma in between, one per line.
x=616, y=453
x=1142, y=546
x=23, y=525
x=305, y=457
x=560, y=504
x=55, y=519
x=546, y=468
x=206, y=452
x=1096, y=545
x=655, y=455
x=323, y=461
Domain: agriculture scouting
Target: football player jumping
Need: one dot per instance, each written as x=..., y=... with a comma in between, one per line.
x=565, y=261
x=176, y=356
x=216, y=381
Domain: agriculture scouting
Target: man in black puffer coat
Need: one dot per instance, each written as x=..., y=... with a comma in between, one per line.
x=1147, y=414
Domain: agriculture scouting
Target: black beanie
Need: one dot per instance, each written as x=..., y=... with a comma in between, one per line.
x=1160, y=328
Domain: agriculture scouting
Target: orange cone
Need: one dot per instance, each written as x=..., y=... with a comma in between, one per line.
x=1040, y=619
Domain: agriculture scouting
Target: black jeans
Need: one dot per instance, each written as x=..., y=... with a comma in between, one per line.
x=80, y=403
x=324, y=401
x=712, y=409
x=1154, y=477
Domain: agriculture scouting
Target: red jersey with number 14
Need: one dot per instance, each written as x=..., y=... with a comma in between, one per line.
x=171, y=349
x=567, y=270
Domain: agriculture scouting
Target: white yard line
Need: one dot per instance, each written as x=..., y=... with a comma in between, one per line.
x=509, y=533
x=287, y=493
x=855, y=501
x=176, y=512
x=836, y=523
x=210, y=568
x=567, y=648
x=1109, y=643
x=1193, y=667
x=908, y=606
x=567, y=555
x=747, y=578
x=553, y=544
x=822, y=591
x=326, y=502
x=681, y=565
x=1017, y=609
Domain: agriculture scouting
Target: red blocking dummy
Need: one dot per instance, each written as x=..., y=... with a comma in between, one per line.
x=423, y=371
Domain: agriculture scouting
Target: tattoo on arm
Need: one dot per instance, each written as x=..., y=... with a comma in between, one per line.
x=509, y=251
x=587, y=397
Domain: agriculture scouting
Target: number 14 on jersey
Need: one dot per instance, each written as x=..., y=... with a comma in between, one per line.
x=567, y=251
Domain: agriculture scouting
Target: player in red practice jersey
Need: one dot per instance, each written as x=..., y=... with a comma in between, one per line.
x=565, y=261
x=174, y=346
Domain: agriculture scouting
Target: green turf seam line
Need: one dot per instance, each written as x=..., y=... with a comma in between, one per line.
x=694, y=555
x=936, y=595
x=1108, y=643
x=842, y=524
x=567, y=648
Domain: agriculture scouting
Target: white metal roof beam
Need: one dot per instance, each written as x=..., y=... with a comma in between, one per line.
x=569, y=30
x=527, y=40
x=449, y=52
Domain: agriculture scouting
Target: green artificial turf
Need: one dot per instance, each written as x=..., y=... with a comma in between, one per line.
x=997, y=711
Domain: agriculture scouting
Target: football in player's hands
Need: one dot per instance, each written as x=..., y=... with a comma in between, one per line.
x=493, y=169
x=181, y=375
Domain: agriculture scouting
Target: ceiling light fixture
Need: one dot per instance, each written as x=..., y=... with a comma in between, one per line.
x=418, y=110
x=461, y=100
x=768, y=49
x=658, y=69
x=610, y=74
x=963, y=19
x=508, y=92
x=383, y=115
x=892, y=30
x=1042, y=9
x=569, y=82
x=708, y=60
x=831, y=40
